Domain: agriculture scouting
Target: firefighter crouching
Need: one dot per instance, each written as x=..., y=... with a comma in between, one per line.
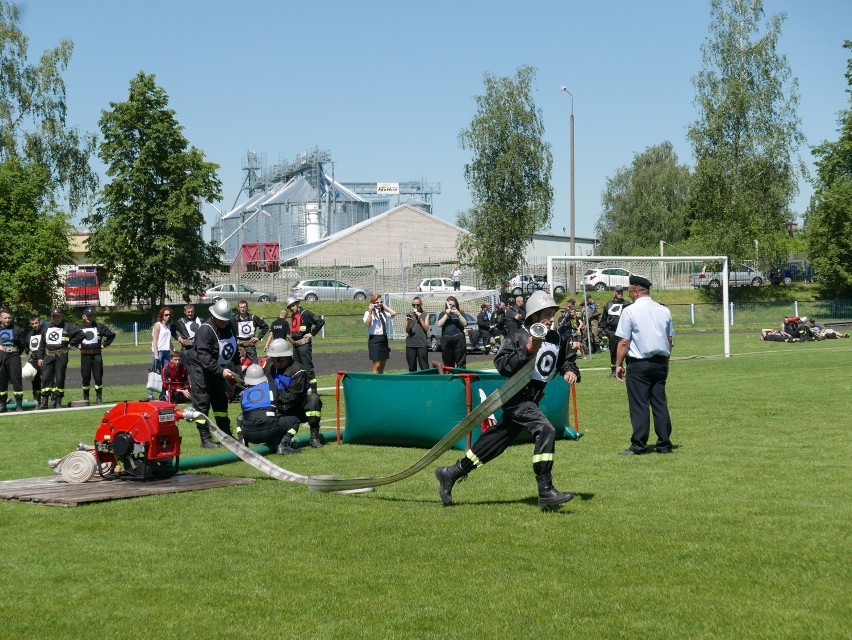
x=259, y=422
x=12, y=343
x=211, y=371
x=295, y=403
x=56, y=338
x=91, y=340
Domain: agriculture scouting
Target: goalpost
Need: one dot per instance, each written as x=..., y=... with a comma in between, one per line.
x=664, y=272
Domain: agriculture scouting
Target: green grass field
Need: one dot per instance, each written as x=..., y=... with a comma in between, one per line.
x=742, y=533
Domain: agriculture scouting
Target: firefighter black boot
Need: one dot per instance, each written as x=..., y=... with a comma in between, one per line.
x=548, y=496
x=19, y=404
x=57, y=401
x=85, y=395
x=316, y=438
x=3, y=400
x=44, y=399
x=206, y=439
x=99, y=398
x=287, y=446
x=447, y=477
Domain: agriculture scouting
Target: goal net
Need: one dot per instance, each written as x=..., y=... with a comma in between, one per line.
x=470, y=302
x=599, y=275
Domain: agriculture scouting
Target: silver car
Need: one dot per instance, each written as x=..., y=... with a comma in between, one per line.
x=237, y=291
x=327, y=289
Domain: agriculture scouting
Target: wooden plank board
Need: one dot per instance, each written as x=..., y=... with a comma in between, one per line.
x=53, y=490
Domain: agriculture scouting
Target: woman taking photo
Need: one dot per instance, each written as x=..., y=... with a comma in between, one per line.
x=377, y=319
x=453, y=323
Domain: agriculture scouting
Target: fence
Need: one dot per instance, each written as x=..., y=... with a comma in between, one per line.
x=699, y=317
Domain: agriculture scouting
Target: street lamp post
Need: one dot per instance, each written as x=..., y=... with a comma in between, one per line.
x=572, y=247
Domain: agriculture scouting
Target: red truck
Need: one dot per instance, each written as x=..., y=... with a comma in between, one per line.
x=82, y=288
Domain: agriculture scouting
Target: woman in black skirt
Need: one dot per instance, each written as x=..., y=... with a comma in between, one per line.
x=453, y=343
x=377, y=319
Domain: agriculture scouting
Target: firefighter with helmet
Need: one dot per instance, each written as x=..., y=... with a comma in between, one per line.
x=295, y=403
x=551, y=354
x=211, y=370
x=304, y=325
x=259, y=422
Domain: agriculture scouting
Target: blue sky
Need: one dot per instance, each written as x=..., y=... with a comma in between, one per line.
x=388, y=86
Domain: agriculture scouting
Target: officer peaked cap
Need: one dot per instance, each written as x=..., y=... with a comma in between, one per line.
x=639, y=281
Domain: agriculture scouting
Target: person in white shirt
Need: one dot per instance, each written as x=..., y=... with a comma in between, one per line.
x=377, y=319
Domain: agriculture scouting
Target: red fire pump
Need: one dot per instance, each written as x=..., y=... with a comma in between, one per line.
x=142, y=437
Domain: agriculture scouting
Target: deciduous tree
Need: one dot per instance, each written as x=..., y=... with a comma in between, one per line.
x=828, y=222
x=147, y=228
x=645, y=203
x=508, y=176
x=746, y=136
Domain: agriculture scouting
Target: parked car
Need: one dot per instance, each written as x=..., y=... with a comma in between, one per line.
x=739, y=275
x=471, y=335
x=791, y=272
x=327, y=289
x=529, y=282
x=441, y=284
x=609, y=278
x=236, y=291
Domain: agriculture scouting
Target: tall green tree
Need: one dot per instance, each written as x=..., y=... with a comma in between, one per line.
x=828, y=222
x=746, y=137
x=645, y=203
x=43, y=164
x=147, y=228
x=509, y=176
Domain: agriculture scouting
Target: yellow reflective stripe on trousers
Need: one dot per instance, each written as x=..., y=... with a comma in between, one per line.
x=220, y=414
x=473, y=458
x=317, y=414
x=543, y=457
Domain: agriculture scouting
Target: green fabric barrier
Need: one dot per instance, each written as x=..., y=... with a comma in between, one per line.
x=226, y=457
x=403, y=410
x=26, y=404
x=418, y=409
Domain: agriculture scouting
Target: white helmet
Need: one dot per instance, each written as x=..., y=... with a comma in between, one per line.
x=291, y=301
x=804, y=319
x=221, y=309
x=279, y=348
x=254, y=375
x=537, y=301
x=28, y=372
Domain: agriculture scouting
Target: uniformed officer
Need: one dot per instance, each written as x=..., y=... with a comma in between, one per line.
x=609, y=322
x=304, y=325
x=295, y=403
x=646, y=338
x=551, y=355
x=91, y=341
x=184, y=332
x=33, y=346
x=12, y=343
x=53, y=357
x=251, y=329
x=211, y=369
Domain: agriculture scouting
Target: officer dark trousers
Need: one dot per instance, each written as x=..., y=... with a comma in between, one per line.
x=92, y=366
x=646, y=387
x=10, y=371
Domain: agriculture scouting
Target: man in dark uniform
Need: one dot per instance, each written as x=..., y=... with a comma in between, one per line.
x=295, y=404
x=645, y=333
x=184, y=332
x=91, y=341
x=279, y=329
x=551, y=354
x=33, y=346
x=53, y=357
x=251, y=329
x=514, y=316
x=259, y=422
x=609, y=322
x=211, y=370
x=13, y=341
x=304, y=325
x=485, y=324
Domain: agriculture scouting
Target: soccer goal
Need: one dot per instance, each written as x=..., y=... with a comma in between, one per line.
x=470, y=303
x=589, y=274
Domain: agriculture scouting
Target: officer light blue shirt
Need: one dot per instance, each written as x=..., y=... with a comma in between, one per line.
x=648, y=326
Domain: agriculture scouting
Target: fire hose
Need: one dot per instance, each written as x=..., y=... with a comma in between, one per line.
x=497, y=399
